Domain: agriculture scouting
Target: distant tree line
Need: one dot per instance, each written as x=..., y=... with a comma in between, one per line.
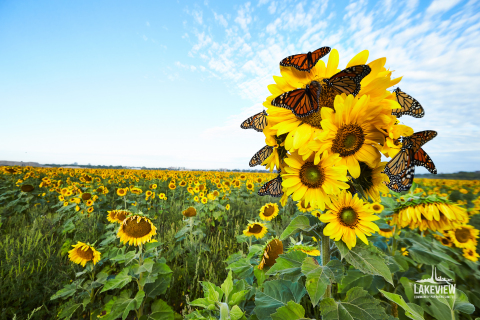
x=462, y=175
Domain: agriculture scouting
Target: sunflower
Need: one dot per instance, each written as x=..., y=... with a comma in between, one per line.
x=387, y=233
x=136, y=230
x=161, y=196
x=250, y=186
x=136, y=191
x=172, y=186
x=90, y=210
x=377, y=207
x=196, y=199
x=148, y=193
x=446, y=240
x=82, y=253
x=190, y=212
x=404, y=252
x=464, y=236
x=351, y=132
x=204, y=200
x=303, y=207
x=89, y=203
x=227, y=207
x=269, y=211
x=153, y=186
x=347, y=218
x=86, y=196
x=471, y=254
x=313, y=180
x=257, y=229
x=117, y=215
x=121, y=192
x=271, y=251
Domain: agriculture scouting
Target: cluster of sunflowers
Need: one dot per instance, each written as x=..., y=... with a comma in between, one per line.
x=330, y=155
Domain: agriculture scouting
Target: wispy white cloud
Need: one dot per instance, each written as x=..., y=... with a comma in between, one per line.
x=147, y=24
x=244, y=17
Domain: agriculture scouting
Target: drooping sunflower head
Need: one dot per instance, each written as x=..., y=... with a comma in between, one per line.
x=446, y=241
x=349, y=217
x=256, y=229
x=387, y=233
x=136, y=230
x=82, y=253
x=271, y=251
x=190, y=212
x=269, y=211
x=303, y=207
x=117, y=215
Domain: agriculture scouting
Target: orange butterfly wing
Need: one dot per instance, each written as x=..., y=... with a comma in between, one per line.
x=348, y=81
x=409, y=105
x=257, y=122
x=260, y=156
x=302, y=102
x=421, y=158
x=305, y=61
x=272, y=188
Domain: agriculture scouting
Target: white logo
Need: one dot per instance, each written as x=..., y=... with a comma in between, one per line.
x=439, y=287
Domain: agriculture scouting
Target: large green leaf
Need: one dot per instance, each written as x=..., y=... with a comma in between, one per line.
x=291, y=311
x=68, y=311
x=236, y=313
x=68, y=290
x=355, y=278
x=358, y=305
x=299, y=223
x=276, y=294
x=367, y=259
x=289, y=263
x=120, y=280
x=319, y=277
x=412, y=310
x=161, y=311
x=126, y=304
x=242, y=268
x=159, y=286
x=227, y=286
x=458, y=302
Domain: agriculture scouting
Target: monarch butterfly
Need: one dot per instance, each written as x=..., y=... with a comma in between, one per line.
x=272, y=188
x=348, y=80
x=401, y=169
x=302, y=102
x=260, y=156
x=305, y=61
x=257, y=122
x=409, y=105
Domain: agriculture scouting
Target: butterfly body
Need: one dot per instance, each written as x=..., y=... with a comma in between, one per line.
x=409, y=105
x=401, y=169
x=257, y=122
x=305, y=61
x=348, y=80
x=272, y=188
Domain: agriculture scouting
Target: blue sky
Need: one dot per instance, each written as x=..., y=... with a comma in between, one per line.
x=163, y=83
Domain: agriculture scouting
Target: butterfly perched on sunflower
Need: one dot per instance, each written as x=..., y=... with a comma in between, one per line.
x=260, y=156
x=409, y=105
x=305, y=61
x=401, y=169
x=304, y=102
x=272, y=188
x=257, y=122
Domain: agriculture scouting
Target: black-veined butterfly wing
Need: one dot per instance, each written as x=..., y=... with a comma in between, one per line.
x=408, y=104
x=272, y=188
x=260, y=156
x=305, y=61
x=302, y=102
x=400, y=170
x=421, y=158
x=257, y=122
x=418, y=139
x=348, y=81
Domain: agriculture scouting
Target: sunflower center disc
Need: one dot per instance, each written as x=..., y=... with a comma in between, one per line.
x=87, y=255
x=269, y=210
x=190, y=212
x=376, y=207
x=136, y=229
x=256, y=228
x=445, y=241
x=462, y=235
x=348, y=216
x=349, y=140
x=311, y=175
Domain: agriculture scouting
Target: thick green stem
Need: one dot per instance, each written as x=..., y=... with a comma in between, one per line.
x=326, y=259
x=140, y=287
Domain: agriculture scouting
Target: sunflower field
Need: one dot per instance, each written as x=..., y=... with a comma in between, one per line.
x=131, y=244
